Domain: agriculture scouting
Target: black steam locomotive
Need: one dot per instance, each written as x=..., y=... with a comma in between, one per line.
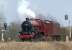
x=27, y=31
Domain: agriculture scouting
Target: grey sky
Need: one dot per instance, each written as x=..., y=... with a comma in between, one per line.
x=11, y=12
x=56, y=8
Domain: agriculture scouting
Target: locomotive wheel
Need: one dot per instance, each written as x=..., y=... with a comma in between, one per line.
x=22, y=40
x=38, y=37
x=18, y=40
x=27, y=40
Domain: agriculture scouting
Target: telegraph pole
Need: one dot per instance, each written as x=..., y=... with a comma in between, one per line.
x=67, y=36
x=66, y=18
x=70, y=29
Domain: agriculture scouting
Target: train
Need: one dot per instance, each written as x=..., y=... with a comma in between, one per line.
x=38, y=29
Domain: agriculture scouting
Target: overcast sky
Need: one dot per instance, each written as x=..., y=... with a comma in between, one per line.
x=56, y=8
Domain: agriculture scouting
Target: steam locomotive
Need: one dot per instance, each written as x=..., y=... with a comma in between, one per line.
x=37, y=29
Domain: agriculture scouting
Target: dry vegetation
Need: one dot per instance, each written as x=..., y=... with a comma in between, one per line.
x=36, y=46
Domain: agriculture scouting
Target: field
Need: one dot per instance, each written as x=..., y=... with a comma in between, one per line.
x=36, y=46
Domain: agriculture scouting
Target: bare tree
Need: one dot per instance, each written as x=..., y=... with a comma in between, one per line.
x=13, y=29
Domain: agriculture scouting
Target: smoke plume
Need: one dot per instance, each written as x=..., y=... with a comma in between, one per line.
x=24, y=9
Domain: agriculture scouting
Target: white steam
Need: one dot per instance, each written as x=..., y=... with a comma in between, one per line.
x=24, y=10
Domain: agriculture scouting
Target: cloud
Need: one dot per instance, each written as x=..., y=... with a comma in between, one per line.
x=24, y=9
x=3, y=5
